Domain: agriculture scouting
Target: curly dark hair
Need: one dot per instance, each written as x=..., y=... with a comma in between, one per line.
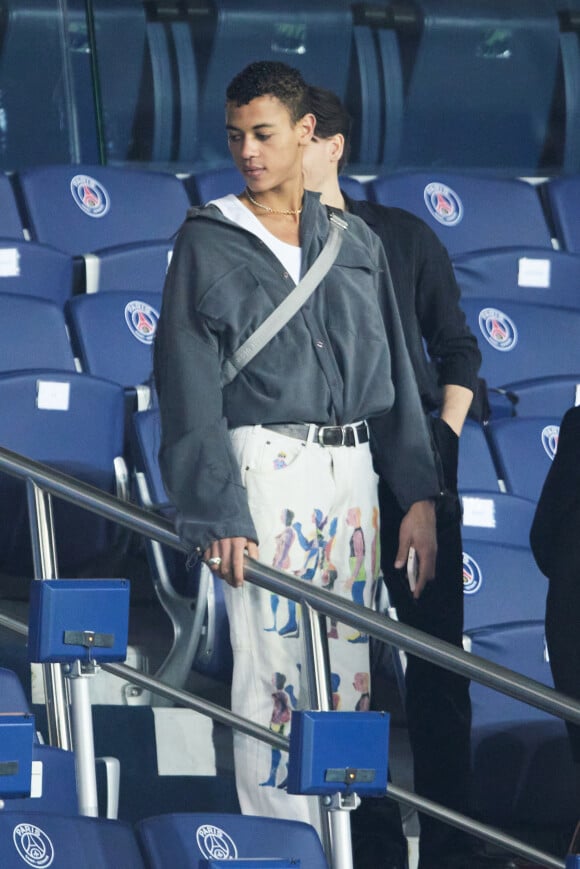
x=331, y=118
x=270, y=78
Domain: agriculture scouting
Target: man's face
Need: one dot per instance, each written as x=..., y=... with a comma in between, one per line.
x=264, y=143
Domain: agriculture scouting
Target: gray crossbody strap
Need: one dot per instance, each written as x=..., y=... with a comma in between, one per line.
x=291, y=304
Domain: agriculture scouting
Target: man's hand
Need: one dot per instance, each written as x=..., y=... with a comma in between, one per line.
x=226, y=558
x=418, y=530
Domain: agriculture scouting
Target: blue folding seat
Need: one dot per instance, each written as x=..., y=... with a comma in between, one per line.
x=468, y=211
x=193, y=841
x=10, y=222
x=202, y=630
x=65, y=841
x=113, y=334
x=83, y=208
x=542, y=396
x=561, y=194
x=353, y=187
x=501, y=582
x=524, y=448
x=141, y=267
x=214, y=183
x=33, y=334
x=35, y=270
x=522, y=341
x=75, y=424
x=476, y=468
x=522, y=768
x=520, y=274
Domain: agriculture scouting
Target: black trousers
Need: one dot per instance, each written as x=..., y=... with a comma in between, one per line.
x=437, y=702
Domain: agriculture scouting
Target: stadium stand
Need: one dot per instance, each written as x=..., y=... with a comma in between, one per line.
x=10, y=222
x=35, y=270
x=561, y=196
x=524, y=448
x=33, y=334
x=476, y=468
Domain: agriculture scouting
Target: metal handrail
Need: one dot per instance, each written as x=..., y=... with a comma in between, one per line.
x=381, y=627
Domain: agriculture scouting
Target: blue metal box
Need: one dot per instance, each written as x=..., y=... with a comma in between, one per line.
x=73, y=619
x=16, y=739
x=333, y=752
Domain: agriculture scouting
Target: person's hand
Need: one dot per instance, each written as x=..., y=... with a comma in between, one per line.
x=225, y=558
x=418, y=530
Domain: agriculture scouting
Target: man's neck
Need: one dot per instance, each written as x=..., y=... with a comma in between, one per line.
x=331, y=194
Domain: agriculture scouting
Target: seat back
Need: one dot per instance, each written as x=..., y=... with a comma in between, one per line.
x=129, y=322
x=10, y=222
x=35, y=270
x=140, y=267
x=214, y=183
x=83, y=208
x=74, y=423
x=545, y=396
x=562, y=196
x=522, y=764
x=476, y=468
x=501, y=582
x=468, y=212
x=525, y=448
x=521, y=341
x=190, y=840
x=42, y=839
x=520, y=274
x=33, y=335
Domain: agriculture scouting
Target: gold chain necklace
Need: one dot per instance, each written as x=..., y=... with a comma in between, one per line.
x=267, y=208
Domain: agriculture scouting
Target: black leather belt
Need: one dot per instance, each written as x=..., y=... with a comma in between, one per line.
x=326, y=435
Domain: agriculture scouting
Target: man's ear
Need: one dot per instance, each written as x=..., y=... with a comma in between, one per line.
x=336, y=147
x=306, y=126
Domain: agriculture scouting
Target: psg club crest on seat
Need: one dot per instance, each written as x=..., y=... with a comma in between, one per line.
x=215, y=844
x=498, y=329
x=550, y=440
x=142, y=320
x=472, y=577
x=33, y=845
x=90, y=196
x=443, y=203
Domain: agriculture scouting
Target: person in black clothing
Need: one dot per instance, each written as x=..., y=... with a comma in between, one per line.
x=555, y=542
x=437, y=701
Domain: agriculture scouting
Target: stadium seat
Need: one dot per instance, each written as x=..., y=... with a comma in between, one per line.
x=112, y=334
x=468, y=211
x=479, y=85
x=140, y=267
x=193, y=841
x=501, y=582
x=476, y=469
x=75, y=424
x=33, y=334
x=201, y=630
x=523, y=772
x=520, y=274
x=213, y=184
x=544, y=396
x=522, y=341
x=83, y=208
x=67, y=842
x=561, y=194
x=10, y=222
x=524, y=449
x=35, y=270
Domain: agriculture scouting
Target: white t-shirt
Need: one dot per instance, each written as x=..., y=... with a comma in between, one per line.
x=289, y=255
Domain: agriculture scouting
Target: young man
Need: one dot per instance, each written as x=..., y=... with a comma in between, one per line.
x=279, y=456
x=437, y=701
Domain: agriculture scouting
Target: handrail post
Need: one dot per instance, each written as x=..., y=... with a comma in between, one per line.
x=45, y=567
x=335, y=815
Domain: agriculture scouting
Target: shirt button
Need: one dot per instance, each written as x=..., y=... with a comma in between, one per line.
x=285, y=276
x=320, y=344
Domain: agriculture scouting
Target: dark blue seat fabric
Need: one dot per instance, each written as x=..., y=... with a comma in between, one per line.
x=521, y=341
x=476, y=469
x=82, y=208
x=75, y=424
x=501, y=582
x=524, y=448
x=468, y=211
x=113, y=334
x=214, y=183
x=33, y=334
x=544, y=396
x=35, y=270
x=189, y=840
x=10, y=222
x=562, y=196
x=520, y=274
x=140, y=267
x=66, y=842
x=523, y=771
